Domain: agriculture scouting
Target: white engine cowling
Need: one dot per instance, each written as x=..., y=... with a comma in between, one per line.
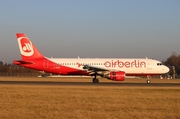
x=117, y=76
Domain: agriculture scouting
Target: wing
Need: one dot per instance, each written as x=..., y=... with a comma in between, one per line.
x=96, y=70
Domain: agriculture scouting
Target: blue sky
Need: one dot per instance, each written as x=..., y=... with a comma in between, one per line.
x=92, y=28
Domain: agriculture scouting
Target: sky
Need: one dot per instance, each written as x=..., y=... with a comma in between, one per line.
x=91, y=28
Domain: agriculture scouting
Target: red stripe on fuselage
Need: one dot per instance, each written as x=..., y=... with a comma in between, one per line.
x=43, y=64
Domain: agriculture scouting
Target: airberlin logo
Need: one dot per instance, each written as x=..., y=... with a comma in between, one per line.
x=79, y=65
x=25, y=46
x=126, y=64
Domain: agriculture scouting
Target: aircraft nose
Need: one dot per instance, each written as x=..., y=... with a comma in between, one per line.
x=166, y=69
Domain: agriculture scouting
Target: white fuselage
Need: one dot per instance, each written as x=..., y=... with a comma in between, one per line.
x=129, y=66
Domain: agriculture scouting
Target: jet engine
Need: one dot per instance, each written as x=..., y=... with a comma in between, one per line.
x=117, y=76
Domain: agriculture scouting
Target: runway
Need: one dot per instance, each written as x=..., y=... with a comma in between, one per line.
x=110, y=84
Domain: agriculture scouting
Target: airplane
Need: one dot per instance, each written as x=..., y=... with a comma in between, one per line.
x=115, y=69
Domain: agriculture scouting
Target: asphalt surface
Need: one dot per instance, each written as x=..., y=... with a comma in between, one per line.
x=54, y=83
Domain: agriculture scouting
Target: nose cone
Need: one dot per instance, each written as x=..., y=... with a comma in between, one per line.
x=166, y=69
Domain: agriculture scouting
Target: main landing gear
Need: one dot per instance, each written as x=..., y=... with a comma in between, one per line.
x=148, y=81
x=95, y=80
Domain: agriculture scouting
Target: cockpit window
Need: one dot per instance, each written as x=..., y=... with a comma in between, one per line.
x=159, y=64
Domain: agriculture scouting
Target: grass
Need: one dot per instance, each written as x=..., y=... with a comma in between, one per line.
x=88, y=102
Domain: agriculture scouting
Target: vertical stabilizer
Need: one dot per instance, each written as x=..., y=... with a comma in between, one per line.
x=27, y=49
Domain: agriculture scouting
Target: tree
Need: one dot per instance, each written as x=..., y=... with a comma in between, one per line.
x=174, y=60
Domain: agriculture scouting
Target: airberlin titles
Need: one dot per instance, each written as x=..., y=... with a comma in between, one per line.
x=127, y=64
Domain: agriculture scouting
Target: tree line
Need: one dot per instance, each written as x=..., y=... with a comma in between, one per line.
x=14, y=70
x=173, y=61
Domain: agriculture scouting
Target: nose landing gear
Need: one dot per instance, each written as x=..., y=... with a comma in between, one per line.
x=148, y=81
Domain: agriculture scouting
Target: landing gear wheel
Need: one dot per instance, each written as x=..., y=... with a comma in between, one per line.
x=148, y=81
x=95, y=80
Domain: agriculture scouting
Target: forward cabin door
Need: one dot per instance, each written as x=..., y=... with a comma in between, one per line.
x=149, y=65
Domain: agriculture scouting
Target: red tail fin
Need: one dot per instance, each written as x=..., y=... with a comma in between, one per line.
x=27, y=49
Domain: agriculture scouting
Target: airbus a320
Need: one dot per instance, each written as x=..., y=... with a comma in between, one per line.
x=115, y=69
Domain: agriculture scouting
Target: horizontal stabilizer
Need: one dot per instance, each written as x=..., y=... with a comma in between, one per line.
x=21, y=62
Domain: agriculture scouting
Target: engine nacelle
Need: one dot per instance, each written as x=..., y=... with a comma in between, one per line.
x=117, y=76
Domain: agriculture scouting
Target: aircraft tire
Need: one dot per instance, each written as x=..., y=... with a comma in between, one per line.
x=95, y=80
x=148, y=81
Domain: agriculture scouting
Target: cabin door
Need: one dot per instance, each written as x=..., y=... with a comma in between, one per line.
x=45, y=64
x=149, y=65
